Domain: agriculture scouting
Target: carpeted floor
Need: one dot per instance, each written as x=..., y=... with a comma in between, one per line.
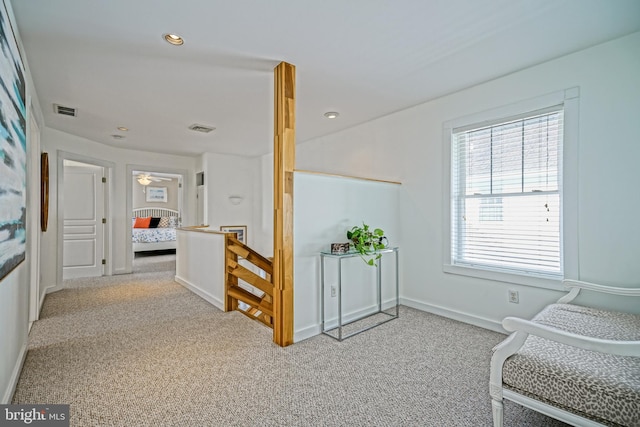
x=141, y=350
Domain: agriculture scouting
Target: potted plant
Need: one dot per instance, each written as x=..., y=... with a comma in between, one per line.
x=366, y=241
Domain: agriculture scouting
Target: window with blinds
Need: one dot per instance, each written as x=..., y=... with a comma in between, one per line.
x=506, y=195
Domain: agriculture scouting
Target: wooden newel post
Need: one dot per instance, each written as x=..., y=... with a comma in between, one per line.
x=284, y=156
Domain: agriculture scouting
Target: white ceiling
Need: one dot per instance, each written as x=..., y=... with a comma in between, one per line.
x=362, y=58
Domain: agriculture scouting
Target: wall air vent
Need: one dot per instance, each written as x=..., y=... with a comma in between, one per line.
x=201, y=128
x=65, y=111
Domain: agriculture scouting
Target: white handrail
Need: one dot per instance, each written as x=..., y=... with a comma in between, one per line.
x=575, y=286
x=619, y=347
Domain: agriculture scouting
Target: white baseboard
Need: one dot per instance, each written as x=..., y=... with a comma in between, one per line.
x=298, y=335
x=15, y=376
x=482, y=322
x=41, y=302
x=332, y=322
x=313, y=330
x=216, y=302
x=49, y=289
x=304, y=333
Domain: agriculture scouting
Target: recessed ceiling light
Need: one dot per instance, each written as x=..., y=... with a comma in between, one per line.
x=331, y=115
x=117, y=136
x=122, y=128
x=174, y=39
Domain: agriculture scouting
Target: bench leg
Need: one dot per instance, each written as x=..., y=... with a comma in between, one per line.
x=498, y=411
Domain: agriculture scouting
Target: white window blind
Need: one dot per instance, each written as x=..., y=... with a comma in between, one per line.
x=507, y=195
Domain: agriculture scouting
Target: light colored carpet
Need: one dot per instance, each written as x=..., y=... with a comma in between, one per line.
x=140, y=350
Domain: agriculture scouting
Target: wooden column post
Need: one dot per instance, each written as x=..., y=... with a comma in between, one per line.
x=284, y=156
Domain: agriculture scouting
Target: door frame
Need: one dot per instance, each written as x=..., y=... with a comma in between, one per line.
x=183, y=173
x=33, y=223
x=108, y=214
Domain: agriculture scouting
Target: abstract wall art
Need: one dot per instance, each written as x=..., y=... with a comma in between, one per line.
x=13, y=150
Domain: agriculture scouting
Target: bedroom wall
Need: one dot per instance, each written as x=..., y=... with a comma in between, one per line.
x=139, y=195
x=408, y=147
x=54, y=141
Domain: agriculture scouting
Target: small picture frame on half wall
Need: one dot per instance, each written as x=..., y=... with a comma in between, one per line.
x=240, y=230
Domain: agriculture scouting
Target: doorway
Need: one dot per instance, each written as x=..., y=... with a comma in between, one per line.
x=157, y=193
x=75, y=205
x=84, y=219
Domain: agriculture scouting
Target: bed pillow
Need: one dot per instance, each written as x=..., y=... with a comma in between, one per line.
x=173, y=221
x=142, y=222
x=164, y=222
x=154, y=222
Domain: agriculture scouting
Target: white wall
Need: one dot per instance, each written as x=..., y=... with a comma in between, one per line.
x=15, y=287
x=54, y=142
x=200, y=260
x=408, y=147
x=227, y=175
x=14, y=328
x=325, y=207
x=263, y=210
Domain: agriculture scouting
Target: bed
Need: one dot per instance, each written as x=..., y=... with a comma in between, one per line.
x=154, y=229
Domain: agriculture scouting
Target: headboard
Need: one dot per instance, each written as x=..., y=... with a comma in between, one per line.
x=155, y=212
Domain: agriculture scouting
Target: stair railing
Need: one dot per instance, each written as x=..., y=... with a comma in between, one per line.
x=246, y=291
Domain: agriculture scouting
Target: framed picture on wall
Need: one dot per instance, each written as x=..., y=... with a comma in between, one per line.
x=241, y=230
x=157, y=194
x=13, y=151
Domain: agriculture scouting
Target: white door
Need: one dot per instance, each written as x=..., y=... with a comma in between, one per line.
x=83, y=245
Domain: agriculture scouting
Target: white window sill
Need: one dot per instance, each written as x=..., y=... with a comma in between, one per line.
x=498, y=276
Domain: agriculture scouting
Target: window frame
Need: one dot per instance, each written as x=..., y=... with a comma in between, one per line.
x=569, y=99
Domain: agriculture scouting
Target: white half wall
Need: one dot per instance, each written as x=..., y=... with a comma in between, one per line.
x=200, y=259
x=408, y=147
x=325, y=207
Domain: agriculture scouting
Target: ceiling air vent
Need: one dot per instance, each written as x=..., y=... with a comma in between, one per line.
x=201, y=128
x=65, y=111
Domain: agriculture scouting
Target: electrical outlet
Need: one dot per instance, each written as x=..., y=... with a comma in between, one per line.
x=513, y=296
x=333, y=291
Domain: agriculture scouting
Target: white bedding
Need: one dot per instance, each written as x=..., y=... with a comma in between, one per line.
x=153, y=235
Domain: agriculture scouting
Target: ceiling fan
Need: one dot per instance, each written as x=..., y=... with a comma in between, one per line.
x=146, y=178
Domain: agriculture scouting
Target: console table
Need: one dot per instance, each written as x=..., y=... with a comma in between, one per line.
x=386, y=315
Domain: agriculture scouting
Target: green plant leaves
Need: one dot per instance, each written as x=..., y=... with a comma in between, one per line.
x=367, y=242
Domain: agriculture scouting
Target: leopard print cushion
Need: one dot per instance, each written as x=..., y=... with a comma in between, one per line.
x=604, y=387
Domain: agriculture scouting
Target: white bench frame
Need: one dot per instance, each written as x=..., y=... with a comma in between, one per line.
x=522, y=328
